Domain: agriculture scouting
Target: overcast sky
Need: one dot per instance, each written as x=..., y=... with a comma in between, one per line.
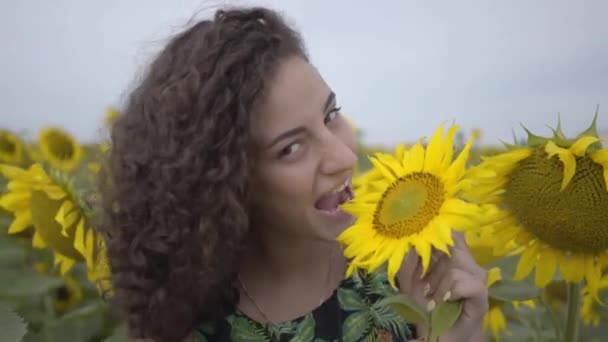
x=399, y=67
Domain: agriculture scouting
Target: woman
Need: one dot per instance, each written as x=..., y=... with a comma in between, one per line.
x=222, y=191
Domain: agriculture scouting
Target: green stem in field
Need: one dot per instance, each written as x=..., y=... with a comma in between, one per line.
x=574, y=299
x=554, y=319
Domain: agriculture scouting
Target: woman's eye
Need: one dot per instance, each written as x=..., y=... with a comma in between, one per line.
x=292, y=148
x=332, y=115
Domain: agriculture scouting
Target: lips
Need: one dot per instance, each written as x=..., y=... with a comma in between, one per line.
x=331, y=201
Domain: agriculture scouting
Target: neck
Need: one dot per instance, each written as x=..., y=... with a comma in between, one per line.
x=290, y=258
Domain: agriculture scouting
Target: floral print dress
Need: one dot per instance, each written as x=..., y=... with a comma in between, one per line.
x=353, y=313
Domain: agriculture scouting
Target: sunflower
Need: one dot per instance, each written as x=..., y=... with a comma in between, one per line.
x=67, y=295
x=112, y=114
x=413, y=203
x=591, y=312
x=552, y=203
x=48, y=202
x=11, y=148
x=60, y=149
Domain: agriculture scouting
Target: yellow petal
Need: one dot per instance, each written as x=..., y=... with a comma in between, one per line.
x=579, y=148
x=394, y=263
x=383, y=169
x=526, y=263
x=20, y=223
x=11, y=172
x=567, y=159
x=424, y=251
x=449, y=147
x=494, y=275
x=14, y=201
x=390, y=162
x=572, y=268
x=434, y=153
x=458, y=167
x=414, y=160
x=37, y=241
x=545, y=268
x=89, y=247
x=79, y=236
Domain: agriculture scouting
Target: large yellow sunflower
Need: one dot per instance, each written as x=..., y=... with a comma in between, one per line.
x=47, y=201
x=414, y=203
x=552, y=203
x=60, y=149
x=11, y=148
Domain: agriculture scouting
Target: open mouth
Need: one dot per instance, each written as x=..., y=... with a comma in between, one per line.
x=330, y=202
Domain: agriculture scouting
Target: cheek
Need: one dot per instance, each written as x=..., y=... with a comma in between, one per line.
x=286, y=186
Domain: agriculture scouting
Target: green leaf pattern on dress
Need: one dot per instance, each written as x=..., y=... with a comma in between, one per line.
x=363, y=318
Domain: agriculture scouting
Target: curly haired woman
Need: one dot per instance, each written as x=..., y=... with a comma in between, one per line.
x=221, y=193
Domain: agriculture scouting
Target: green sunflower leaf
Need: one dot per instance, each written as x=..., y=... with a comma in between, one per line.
x=406, y=308
x=443, y=318
x=507, y=290
x=11, y=325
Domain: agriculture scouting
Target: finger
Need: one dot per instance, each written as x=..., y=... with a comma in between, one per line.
x=475, y=295
x=459, y=240
x=442, y=289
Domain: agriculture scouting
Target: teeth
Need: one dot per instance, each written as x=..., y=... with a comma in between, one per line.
x=341, y=187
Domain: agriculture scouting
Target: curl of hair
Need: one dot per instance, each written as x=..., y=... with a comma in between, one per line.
x=174, y=185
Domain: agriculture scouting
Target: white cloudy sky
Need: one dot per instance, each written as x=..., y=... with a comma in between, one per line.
x=399, y=67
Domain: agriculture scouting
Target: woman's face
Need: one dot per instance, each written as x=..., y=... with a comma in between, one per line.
x=303, y=156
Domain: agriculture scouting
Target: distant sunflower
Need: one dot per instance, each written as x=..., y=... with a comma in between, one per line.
x=11, y=148
x=68, y=295
x=60, y=149
x=553, y=205
x=413, y=203
x=112, y=114
x=48, y=202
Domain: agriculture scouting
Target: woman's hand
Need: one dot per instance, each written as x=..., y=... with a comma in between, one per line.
x=457, y=277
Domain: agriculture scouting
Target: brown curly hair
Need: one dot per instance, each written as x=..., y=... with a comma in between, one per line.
x=174, y=187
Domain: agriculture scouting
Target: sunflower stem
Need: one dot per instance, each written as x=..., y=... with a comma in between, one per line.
x=573, y=312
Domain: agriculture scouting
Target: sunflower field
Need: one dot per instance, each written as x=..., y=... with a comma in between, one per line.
x=534, y=213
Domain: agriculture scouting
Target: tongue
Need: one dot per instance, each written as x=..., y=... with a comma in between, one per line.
x=332, y=201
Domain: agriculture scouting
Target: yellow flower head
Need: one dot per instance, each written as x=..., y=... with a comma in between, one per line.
x=411, y=203
x=552, y=203
x=60, y=149
x=46, y=201
x=111, y=116
x=11, y=148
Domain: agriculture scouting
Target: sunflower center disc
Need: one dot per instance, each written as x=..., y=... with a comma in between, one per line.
x=575, y=219
x=408, y=205
x=7, y=146
x=60, y=146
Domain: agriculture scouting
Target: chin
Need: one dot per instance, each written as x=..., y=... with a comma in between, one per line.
x=331, y=230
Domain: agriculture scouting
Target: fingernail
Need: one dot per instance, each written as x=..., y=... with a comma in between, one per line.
x=430, y=305
x=427, y=289
x=447, y=296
